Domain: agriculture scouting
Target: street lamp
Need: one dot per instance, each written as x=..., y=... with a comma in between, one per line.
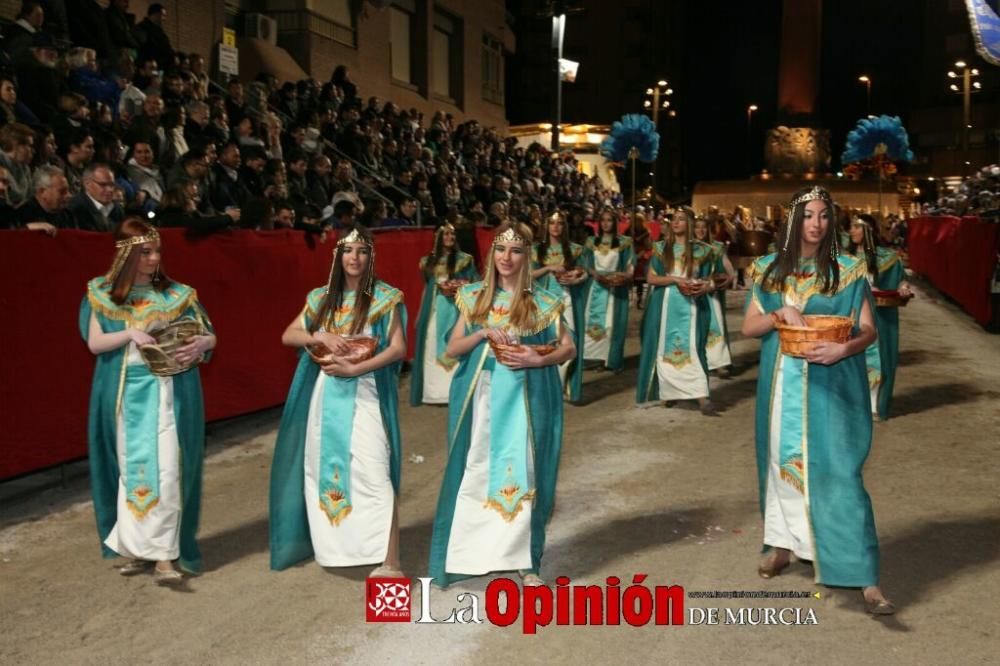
x=750, y=110
x=558, y=30
x=865, y=79
x=965, y=90
x=656, y=99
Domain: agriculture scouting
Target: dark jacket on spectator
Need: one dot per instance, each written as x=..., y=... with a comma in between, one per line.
x=227, y=192
x=89, y=218
x=32, y=211
x=317, y=190
x=38, y=87
x=120, y=29
x=89, y=27
x=154, y=43
x=16, y=40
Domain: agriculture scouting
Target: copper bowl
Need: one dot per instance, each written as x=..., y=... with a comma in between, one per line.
x=617, y=279
x=797, y=341
x=890, y=298
x=570, y=276
x=450, y=287
x=361, y=348
x=500, y=350
x=753, y=243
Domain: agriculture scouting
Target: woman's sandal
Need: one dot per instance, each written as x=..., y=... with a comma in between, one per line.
x=530, y=579
x=168, y=577
x=134, y=567
x=771, y=569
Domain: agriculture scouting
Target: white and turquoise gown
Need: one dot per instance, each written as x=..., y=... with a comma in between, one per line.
x=146, y=433
x=573, y=299
x=717, y=353
x=813, y=432
x=335, y=474
x=504, y=439
x=607, y=307
x=672, y=364
x=433, y=369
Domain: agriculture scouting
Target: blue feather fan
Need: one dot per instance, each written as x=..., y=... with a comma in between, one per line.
x=634, y=130
x=882, y=135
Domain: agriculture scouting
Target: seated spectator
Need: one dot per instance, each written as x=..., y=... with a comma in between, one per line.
x=284, y=216
x=196, y=126
x=84, y=78
x=318, y=186
x=343, y=215
x=38, y=80
x=193, y=167
x=147, y=126
x=375, y=214
x=95, y=208
x=46, y=149
x=8, y=217
x=179, y=208
x=19, y=35
x=296, y=168
x=406, y=215
x=174, y=145
x=144, y=173
x=227, y=188
x=8, y=99
x=47, y=209
x=79, y=154
x=17, y=148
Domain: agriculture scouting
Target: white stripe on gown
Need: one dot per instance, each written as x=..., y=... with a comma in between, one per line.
x=437, y=380
x=157, y=536
x=689, y=381
x=571, y=327
x=786, y=524
x=598, y=350
x=481, y=541
x=363, y=536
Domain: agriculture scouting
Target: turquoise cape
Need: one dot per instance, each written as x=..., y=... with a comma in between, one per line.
x=598, y=296
x=830, y=409
x=143, y=306
x=578, y=296
x=289, y=527
x=882, y=356
x=542, y=395
x=676, y=341
x=445, y=316
x=717, y=327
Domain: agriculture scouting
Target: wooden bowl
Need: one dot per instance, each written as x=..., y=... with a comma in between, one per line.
x=617, y=279
x=159, y=357
x=570, y=276
x=450, y=287
x=361, y=348
x=501, y=350
x=885, y=298
x=797, y=341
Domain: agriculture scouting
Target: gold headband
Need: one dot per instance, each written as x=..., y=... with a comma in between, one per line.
x=125, y=246
x=509, y=236
x=860, y=220
x=815, y=193
x=354, y=237
x=152, y=237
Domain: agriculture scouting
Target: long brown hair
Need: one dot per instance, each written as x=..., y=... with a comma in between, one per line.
x=599, y=233
x=868, y=244
x=439, y=251
x=132, y=227
x=523, y=311
x=335, y=287
x=790, y=246
x=671, y=239
x=543, y=248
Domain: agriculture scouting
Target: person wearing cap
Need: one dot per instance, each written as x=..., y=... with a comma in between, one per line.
x=40, y=82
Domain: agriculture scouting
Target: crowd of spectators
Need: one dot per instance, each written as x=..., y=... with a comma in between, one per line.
x=978, y=195
x=101, y=117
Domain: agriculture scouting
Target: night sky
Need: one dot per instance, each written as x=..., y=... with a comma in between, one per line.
x=729, y=59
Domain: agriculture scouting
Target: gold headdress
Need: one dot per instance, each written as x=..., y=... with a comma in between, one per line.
x=815, y=193
x=509, y=236
x=125, y=246
x=356, y=237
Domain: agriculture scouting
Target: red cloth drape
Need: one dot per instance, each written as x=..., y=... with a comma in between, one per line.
x=958, y=256
x=252, y=284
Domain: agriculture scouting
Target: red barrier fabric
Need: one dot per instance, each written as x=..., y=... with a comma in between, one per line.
x=958, y=256
x=253, y=283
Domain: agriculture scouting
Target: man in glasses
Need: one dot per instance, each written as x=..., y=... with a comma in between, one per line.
x=95, y=208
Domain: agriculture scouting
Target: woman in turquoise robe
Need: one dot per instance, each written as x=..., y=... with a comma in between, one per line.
x=505, y=421
x=432, y=371
x=552, y=259
x=717, y=353
x=606, y=311
x=813, y=426
x=336, y=470
x=885, y=272
x=672, y=363
x=146, y=433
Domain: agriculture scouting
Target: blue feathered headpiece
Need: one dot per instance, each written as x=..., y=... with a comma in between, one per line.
x=874, y=137
x=634, y=130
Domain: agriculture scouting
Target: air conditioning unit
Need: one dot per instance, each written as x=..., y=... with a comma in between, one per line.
x=261, y=27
